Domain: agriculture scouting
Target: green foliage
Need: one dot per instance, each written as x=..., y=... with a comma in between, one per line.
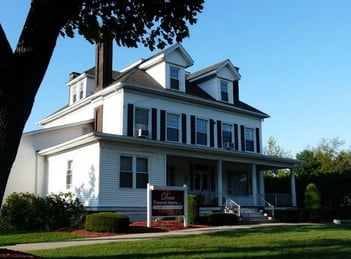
x=26, y=211
x=193, y=208
x=107, y=222
x=152, y=23
x=312, y=199
x=289, y=215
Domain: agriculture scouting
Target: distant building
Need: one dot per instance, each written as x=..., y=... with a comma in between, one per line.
x=152, y=122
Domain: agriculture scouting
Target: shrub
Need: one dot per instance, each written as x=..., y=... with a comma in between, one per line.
x=312, y=199
x=223, y=219
x=26, y=211
x=107, y=222
x=193, y=208
x=289, y=215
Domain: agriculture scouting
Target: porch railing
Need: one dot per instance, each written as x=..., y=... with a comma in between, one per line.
x=279, y=199
x=231, y=206
x=266, y=203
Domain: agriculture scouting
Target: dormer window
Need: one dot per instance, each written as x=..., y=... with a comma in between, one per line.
x=224, y=91
x=81, y=90
x=74, y=94
x=174, y=77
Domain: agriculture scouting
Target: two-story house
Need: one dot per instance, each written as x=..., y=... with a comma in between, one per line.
x=152, y=122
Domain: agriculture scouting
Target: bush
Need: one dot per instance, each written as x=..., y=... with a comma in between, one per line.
x=312, y=199
x=107, y=222
x=223, y=219
x=289, y=215
x=193, y=208
x=26, y=211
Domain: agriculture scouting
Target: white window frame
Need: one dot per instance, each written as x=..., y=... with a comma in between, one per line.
x=74, y=94
x=172, y=125
x=231, y=133
x=134, y=172
x=249, y=133
x=199, y=130
x=69, y=175
x=141, y=126
x=174, y=74
x=223, y=85
x=81, y=90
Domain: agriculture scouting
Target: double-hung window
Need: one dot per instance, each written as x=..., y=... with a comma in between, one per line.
x=174, y=77
x=141, y=121
x=126, y=171
x=74, y=94
x=224, y=91
x=69, y=175
x=249, y=139
x=133, y=172
x=201, y=131
x=81, y=90
x=173, y=127
x=227, y=134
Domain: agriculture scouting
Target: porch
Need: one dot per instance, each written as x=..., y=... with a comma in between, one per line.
x=217, y=181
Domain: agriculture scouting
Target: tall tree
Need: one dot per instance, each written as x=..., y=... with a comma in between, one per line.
x=273, y=149
x=153, y=23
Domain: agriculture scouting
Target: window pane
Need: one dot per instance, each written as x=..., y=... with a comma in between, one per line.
x=126, y=163
x=174, y=75
x=227, y=133
x=249, y=139
x=224, y=91
x=172, y=127
x=141, y=180
x=126, y=179
x=141, y=165
x=141, y=118
x=201, y=132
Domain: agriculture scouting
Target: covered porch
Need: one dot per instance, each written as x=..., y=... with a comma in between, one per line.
x=237, y=179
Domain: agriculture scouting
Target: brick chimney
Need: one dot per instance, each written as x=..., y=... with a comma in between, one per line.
x=103, y=65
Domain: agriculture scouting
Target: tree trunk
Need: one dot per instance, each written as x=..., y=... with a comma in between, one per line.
x=22, y=72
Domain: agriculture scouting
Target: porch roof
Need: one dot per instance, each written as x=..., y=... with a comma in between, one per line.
x=263, y=162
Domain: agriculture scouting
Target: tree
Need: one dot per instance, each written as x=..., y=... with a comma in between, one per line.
x=273, y=149
x=152, y=23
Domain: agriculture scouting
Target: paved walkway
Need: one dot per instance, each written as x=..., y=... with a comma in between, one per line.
x=131, y=237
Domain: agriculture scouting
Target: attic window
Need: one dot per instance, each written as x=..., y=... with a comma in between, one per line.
x=224, y=91
x=174, y=78
x=74, y=94
x=81, y=90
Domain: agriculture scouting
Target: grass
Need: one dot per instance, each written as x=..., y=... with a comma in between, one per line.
x=307, y=241
x=11, y=238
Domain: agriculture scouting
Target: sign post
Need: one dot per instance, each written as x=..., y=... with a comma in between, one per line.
x=167, y=201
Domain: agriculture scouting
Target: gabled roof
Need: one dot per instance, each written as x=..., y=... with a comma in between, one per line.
x=213, y=71
x=161, y=56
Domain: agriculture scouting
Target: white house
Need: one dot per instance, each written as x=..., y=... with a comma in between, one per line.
x=152, y=122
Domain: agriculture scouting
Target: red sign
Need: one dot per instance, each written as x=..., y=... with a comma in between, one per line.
x=167, y=203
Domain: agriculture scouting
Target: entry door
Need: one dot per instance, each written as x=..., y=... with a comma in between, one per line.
x=203, y=184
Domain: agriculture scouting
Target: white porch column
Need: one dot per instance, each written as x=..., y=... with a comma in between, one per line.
x=219, y=182
x=254, y=184
x=293, y=187
x=261, y=191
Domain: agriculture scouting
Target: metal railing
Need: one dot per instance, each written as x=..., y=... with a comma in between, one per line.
x=266, y=203
x=279, y=199
x=231, y=206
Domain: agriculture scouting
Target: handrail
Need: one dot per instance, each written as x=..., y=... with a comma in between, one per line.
x=229, y=204
x=269, y=204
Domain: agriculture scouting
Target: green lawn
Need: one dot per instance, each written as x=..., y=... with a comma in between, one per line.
x=12, y=238
x=307, y=241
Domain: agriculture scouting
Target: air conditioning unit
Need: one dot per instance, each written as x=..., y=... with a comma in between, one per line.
x=228, y=145
x=143, y=133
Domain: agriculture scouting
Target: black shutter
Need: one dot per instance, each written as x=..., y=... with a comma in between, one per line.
x=184, y=128
x=163, y=125
x=219, y=133
x=130, y=122
x=258, y=146
x=242, y=134
x=212, y=123
x=154, y=124
x=236, y=137
x=192, y=128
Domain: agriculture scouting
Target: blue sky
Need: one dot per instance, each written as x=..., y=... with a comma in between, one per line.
x=294, y=59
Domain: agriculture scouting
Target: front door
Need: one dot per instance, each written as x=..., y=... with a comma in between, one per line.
x=203, y=184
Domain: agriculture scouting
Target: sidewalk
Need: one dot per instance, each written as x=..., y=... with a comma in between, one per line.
x=131, y=237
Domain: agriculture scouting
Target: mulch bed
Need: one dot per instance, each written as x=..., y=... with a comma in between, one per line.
x=134, y=227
